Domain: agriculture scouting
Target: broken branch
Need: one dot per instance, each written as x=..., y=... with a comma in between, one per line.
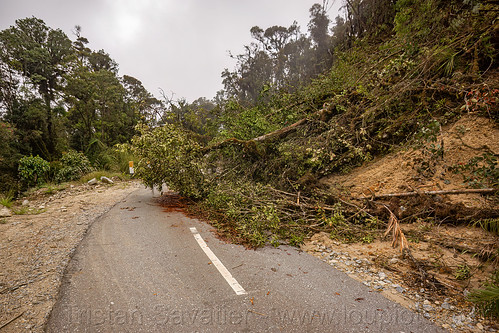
x=415, y=193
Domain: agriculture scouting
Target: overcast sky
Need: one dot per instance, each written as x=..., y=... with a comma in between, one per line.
x=180, y=46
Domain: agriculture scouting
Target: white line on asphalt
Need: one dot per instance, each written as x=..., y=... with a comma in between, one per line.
x=218, y=264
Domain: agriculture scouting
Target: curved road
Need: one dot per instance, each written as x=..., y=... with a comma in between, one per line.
x=142, y=269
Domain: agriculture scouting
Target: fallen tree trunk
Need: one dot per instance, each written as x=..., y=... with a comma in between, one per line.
x=281, y=132
x=272, y=135
x=410, y=194
x=251, y=144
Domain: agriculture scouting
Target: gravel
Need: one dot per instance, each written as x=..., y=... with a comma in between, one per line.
x=441, y=311
x=37, y=248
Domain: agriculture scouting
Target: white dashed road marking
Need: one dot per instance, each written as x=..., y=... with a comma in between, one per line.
x=218, y=264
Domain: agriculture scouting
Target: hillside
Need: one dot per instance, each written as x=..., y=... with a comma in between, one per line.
x=409, y=104
x=459, y=258
x=374, y=135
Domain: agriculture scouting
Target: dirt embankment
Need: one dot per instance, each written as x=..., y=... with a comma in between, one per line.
x=460, y=257
x=35, y=248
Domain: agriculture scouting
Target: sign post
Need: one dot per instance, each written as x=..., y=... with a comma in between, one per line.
x=130, y=164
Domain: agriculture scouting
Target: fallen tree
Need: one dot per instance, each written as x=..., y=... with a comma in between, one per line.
x=442, y=192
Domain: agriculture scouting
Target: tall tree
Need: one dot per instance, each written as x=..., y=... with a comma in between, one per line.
x=98, y=114
x=280, y=59
x=39, y=55
x=319, y=33
x=146, y=107
x=274, y=61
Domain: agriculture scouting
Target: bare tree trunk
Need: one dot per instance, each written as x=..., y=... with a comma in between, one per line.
x=409, y=194
x=272, y=135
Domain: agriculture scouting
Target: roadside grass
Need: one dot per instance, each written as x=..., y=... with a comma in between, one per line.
x=6, y=200
x=28, y=211
x=53, y=188
x=45, y=189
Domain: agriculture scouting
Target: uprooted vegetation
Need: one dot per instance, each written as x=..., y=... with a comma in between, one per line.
x=424, y=94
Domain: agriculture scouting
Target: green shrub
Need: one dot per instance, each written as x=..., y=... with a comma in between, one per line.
x=480, y=171
x=168, y=155
x=487, y=297
x=74, y=165
x=122, y=160
x=33, y=170
x=6, y=200
x=113, y=160
x=55, y=168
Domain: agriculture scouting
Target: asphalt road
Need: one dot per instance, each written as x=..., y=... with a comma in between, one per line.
x=141, y=269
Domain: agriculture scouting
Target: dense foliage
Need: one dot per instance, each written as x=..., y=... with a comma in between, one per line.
x=73, y=165
x=168, y=153
x=57, y=95
x=33, y=170
x=391, y=73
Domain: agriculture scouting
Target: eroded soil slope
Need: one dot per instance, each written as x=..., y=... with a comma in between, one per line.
x=460, y=257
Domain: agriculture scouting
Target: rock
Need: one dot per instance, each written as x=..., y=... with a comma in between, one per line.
x=445, y=306
x=381, y=275
x=479, y=326
x=5, y=212
x=400, y=289
x=393, y=261
x=458, y=320
x=427, y=307
x=92, y=181
x=25, y=202
x=106, y=180
x=41, y=207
